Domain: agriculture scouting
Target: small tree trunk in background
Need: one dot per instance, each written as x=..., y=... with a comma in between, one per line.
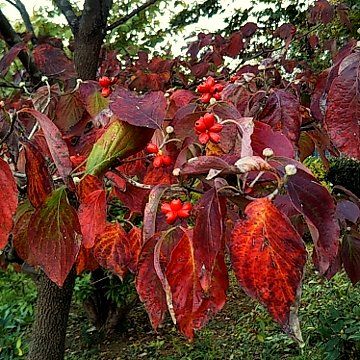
x=52, y=312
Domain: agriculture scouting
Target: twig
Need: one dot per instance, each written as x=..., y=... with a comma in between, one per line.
x=13, y=118
x=133, y=13
x=25, y=16
x=67, y=10
x=132, y=181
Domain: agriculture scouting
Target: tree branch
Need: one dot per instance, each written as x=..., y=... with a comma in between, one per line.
x=25, y=16
x=67, y=10
x=12, y=38
x=133, y=13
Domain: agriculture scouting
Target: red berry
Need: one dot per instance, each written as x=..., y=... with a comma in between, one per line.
x=176, y=205
x=217, y=96
x=234, y=78
x=166, y=159
x=165, y=207
x=171, y=217
x=200, y=125
x=205, y=98
x=214, y=137
x=216, y=128
x=218, y=88
x=105, y=92
x=152, y=148
x=202, y=88
x=204, y=138
x=105, y=82
x=210, y=82
x=209, y=120
x=158, y=162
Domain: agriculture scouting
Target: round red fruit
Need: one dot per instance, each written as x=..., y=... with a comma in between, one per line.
x=152, y=148
x=105, y=82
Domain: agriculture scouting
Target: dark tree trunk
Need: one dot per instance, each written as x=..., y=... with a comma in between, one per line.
x=52, y=312
x=90, y=36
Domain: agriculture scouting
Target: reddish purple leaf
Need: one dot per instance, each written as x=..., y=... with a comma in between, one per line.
x=57, y=146
x=145, y=111
x=350, y=253
x=343, y=102
x=10, y=56
x=55, y=236
x=317, y=205
x=53, y=62
x=282, y=112
x=39, y=181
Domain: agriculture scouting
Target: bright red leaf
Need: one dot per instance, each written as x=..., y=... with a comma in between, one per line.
x=268, y=257
x=8, y=202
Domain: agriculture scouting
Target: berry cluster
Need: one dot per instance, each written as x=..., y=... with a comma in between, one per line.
x=209, y=89
x=208, y=129
x=160, y=159
x=176, y=209
x=105, y=82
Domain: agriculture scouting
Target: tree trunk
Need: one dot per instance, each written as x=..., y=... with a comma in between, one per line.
x=52, y=312
x=90, y=36
x=53, y=303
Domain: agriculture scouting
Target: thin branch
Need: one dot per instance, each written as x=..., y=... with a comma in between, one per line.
x=12, y=38
x=25, y=16
x=67, y=10
x=133, y=13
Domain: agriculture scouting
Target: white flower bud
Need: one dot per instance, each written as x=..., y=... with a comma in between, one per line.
x=76, y=179
x=169, y=129
x=267, y=152
x=167, y=95
x=44, y=78
x=2, y=104
x=176, y=172
x=290, y=169
x=212, y=101
x=21, y=84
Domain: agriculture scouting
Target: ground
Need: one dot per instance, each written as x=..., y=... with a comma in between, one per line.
x=329, y=315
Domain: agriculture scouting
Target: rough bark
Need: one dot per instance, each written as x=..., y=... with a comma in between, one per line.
x=90, y=36
x=52, y=312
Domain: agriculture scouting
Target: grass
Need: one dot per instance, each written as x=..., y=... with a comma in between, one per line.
x=329, y=316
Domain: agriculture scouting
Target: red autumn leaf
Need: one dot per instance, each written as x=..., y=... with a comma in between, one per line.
x=203, y=164
x=265, y=137
x=39, y=181
x=159, y=175
x=282, y=112
x=179, y=99
x=350, y=254
x=69, y=111
x=322, y=12
x=45, y=102
x=53, y=62
x=132, y=197
x=316, y=204
x=133, y=248
x=193, y=307
x=343, y=102
x=87, y=185
x=8, y=202
x=286, y=32
x=268, y=257
x=148, y=284
x=85, y=261
x=248, y=29
x=208, y=236
x=235, y=45
x=347, y=210
x=57, y=146
x=89, y=94
x=109, y=249
x=145, y=111
x=92, y=216
x=20, y=231
x=55, y=236
x=10, y=56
